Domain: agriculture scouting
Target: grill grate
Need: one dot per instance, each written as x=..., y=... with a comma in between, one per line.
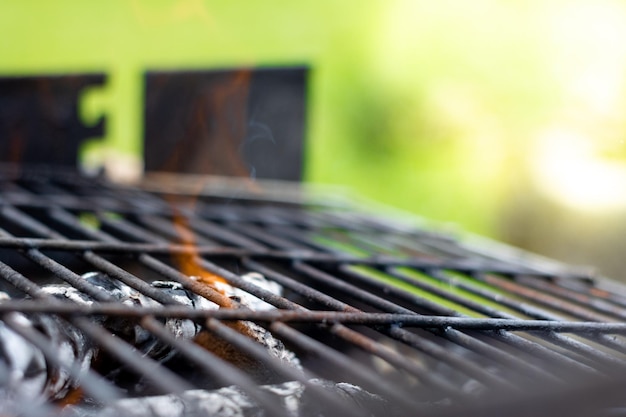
x=420, y=318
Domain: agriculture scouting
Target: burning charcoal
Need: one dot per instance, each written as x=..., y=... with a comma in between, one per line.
x=248, y=300
x=135, y=334
x=232, y=402
x=151, y=346
x=22, y=369
x=255, y=368
x=187, y=329
x=25, y=375
x=260, y=334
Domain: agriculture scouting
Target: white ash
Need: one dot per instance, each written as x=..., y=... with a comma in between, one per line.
x=231, y=401
x=149, y=345
x=274, y=346
x=25, y=375
x=126, y=328
x=248, y=300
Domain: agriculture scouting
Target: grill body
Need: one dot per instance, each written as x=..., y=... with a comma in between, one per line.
x=422, y=319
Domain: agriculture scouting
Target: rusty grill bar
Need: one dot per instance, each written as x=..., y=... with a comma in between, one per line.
x=420, y=318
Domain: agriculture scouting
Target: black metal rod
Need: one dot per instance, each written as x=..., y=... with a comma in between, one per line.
x=159, y=376
x=458, y=361
x=306, y=291
x=470, y=343
x=346, y=334
x=397, y=360
x=281, y=242
x=586, y=301
x=346, y=366
x=552, y=356
x=251, y=288
x=579, y=351
x=302, y=255
x=308, y=316
x=220, y=370
x=529, y=294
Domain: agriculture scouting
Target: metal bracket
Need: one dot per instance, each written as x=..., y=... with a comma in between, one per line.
x=39, y=119
x=241, y=122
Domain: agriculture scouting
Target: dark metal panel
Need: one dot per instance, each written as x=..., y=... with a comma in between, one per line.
x=240, y=122
x=39, y=118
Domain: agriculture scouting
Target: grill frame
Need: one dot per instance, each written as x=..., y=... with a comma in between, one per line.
x=595, y=306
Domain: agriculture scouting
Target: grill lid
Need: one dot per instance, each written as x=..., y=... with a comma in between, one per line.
x=303, y=307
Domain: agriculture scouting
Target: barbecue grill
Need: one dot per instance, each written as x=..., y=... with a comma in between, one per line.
x=194, y=295
x=383, y=317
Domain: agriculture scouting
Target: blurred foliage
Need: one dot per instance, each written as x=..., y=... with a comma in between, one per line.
x=436, y=107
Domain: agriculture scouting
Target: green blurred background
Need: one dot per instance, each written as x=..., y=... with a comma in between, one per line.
x=504, y=118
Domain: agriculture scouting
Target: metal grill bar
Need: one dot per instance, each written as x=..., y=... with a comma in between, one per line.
x=346, y=364
x=396, y=309
x=329, y=302
x=344, y=332
x=424, y=345
x=568, y=342
x=351, y=289
x=163, y=379
x=33, y=225
x=288, y=255
x=308, y=316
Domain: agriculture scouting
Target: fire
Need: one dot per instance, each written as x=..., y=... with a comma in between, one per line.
x=73, y=397
x=189, y=264
x=189, y=260
x=210, y=144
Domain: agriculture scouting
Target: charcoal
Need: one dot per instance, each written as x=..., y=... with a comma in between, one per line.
x=233, y=402
x=128, y=329
x=181, y=328
x=274, y=346
x=248, y=300
x=25, y=375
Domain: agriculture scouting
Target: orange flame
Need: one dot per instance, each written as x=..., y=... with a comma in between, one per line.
x=209, y=145
x=189, y=261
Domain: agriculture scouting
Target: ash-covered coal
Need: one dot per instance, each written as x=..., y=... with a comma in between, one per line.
x=26, y=377
x=233, y=402
x=128, y=329
x=153, y=347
